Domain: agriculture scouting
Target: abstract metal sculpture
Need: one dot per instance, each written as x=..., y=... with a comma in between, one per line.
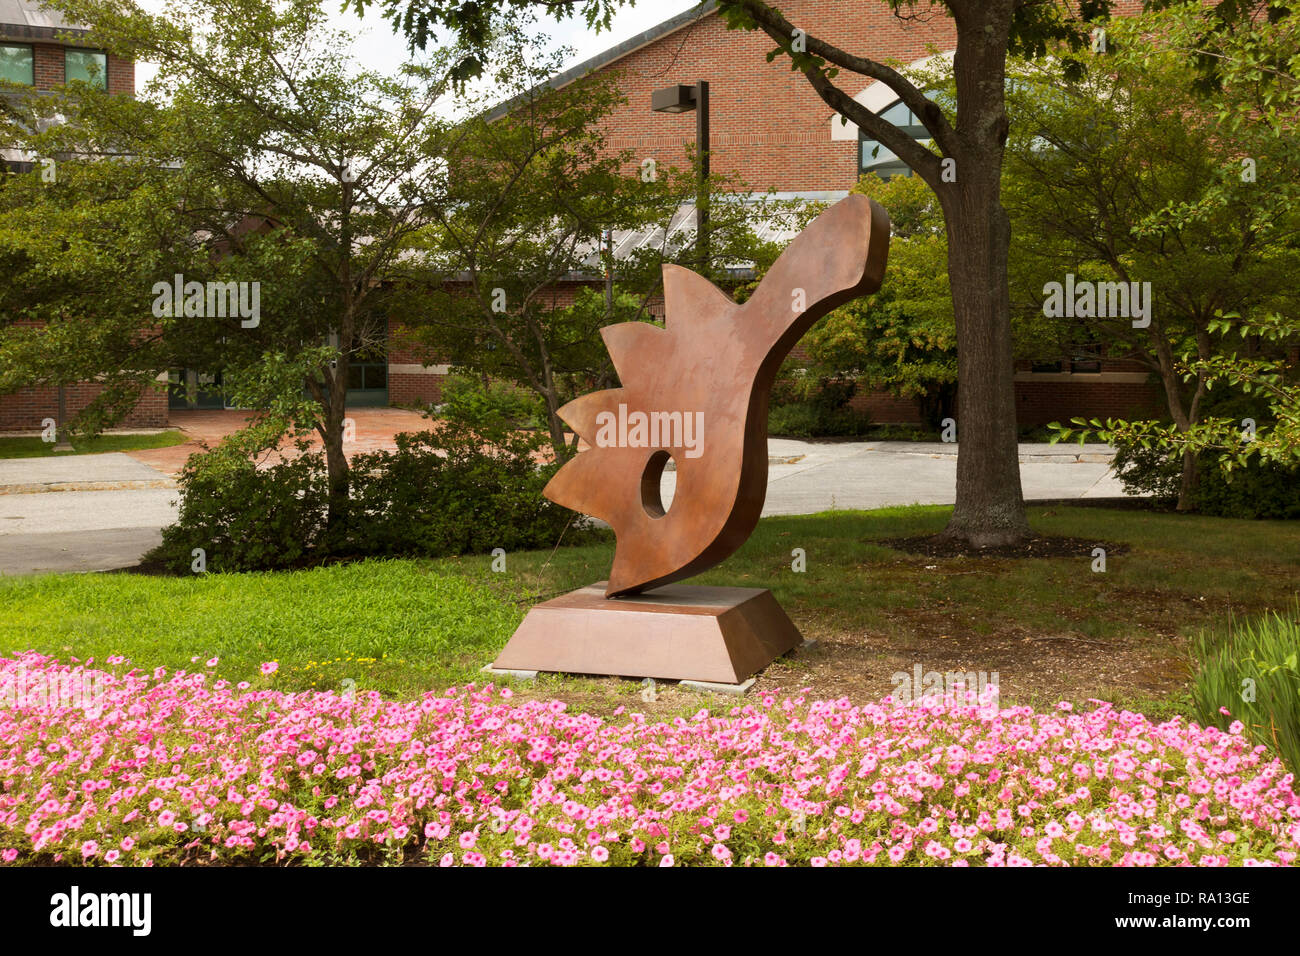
x=695, y=392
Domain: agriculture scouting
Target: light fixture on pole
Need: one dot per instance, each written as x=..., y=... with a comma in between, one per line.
x=682, y=99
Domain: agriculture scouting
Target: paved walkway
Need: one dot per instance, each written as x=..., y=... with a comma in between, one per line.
x=805, y=477
x=106, y=511
x=375, y=428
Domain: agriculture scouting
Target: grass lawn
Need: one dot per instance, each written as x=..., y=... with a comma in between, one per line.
x=1051, y=628
x=35, y=447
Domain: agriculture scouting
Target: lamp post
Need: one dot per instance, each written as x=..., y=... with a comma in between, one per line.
x=682, y=99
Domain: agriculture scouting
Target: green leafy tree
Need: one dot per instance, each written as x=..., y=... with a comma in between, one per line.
x=902, y=338
x=257, y=155
x=964, y=170
x=1208, y=217
x=516, y=261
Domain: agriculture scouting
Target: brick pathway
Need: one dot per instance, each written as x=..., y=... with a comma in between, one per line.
x=375, y=430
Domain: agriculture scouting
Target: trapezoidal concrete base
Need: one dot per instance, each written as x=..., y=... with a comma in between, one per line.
x=677, y=632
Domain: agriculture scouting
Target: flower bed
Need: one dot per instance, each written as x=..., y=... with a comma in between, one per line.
x=169, y=768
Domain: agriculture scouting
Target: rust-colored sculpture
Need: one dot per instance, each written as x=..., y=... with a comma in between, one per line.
x=695, y=392
x=715, y=362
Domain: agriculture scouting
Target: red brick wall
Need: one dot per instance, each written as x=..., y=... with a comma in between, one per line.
x=49, y=65
x=767, y=125
x=25, y=409
x=1038, y=403
x=884, y=409
x=121, y=75
x=49, y=60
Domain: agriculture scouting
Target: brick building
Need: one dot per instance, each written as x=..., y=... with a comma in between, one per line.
x=767, y=126
x=39, y=49
x=770, y=128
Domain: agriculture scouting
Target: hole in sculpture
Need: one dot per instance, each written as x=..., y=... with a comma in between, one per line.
x=652, y=484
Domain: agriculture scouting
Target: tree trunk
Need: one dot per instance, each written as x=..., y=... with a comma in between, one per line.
x=990, y=508
x=336, y=463
x=559, y=442
x=1183, y=412
x=1187, y=486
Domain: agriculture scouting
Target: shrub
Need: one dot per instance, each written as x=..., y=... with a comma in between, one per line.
x=1251, y=674
x=805, y=406
x=1148, y=471
x=244, y=517
x=454, y=490
x=1255, y=490
x=497, y=405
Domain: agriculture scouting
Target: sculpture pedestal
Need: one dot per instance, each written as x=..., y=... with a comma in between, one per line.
x=677, y=632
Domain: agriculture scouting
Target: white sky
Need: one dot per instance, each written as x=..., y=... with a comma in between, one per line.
x=376, y=46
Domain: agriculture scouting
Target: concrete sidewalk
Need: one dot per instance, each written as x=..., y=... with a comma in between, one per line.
x=113, y=471
x=78, y=528
x=809, y=476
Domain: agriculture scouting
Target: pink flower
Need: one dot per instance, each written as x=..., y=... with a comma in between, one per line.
x=214, y=661
x=270, y=667
x=600, y=854
x=666, y=860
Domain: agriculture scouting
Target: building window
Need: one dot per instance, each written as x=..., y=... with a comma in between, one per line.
x=88, y=66
x=17, y=64
x=875, y=157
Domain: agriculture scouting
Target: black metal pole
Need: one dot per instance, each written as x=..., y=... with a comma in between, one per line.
x=609, y=272
x=702, y=145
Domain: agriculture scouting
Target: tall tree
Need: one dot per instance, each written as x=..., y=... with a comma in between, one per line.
x=1083, y=207
x=274, y=164
x=1214, y=216
x=515, y=260
x=964, y=171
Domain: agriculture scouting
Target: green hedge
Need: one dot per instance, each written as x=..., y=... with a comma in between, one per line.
x=1255, y=490
x=453, y=490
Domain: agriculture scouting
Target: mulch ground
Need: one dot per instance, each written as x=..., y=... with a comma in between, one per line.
x=937, y=546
